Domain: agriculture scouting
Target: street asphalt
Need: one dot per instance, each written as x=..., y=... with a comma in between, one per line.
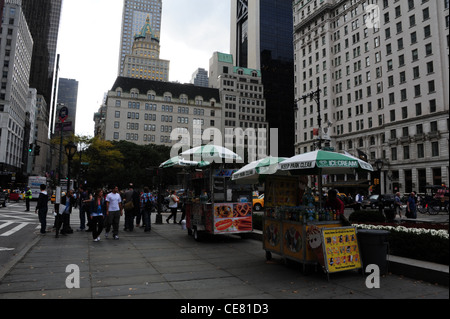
x=168, y=264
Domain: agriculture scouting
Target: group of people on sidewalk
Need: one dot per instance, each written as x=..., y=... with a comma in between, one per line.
x=101, y=212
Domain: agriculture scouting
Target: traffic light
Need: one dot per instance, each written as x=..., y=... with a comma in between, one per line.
x=30, y=148
x=37, y=150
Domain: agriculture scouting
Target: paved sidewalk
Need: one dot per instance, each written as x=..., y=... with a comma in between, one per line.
x=169, y=264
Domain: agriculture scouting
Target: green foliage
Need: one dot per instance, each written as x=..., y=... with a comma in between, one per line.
x=121, y=163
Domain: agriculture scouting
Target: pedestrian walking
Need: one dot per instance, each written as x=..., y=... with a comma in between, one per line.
x=42, y=208
x=62, y=218
x=147, y=204
x=173, y=205
x=97, y=212
x=398, y=204
x=131, y=206
x=85, y=198
x=411, y=208
x=114, y=210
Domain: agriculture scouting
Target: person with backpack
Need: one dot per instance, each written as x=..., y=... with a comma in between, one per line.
x=147, y=204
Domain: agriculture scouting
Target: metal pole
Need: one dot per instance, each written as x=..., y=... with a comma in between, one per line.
x=60, y=156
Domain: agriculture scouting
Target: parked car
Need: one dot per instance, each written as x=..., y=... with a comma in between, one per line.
x=371, y=202
x=258, y=203
x=3, y=197
x=387, y=201
x=374, y=201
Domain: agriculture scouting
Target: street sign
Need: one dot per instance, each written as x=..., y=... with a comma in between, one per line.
x=63, y=113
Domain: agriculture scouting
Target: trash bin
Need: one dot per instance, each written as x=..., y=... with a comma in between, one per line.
x=373, y=246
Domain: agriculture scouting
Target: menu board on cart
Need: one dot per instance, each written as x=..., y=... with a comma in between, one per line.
x=340, y=249
x=232, y=217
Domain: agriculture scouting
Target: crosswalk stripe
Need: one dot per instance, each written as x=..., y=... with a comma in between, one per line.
x=5, y=225
x=14, y=230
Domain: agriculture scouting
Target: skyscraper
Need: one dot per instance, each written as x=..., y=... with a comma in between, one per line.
x=383, y=70
x=144, y=62
x=135, y=13
x=68, y=95
x=200, y=77
x=262, y=39
x=43, y=17
x=16, y=46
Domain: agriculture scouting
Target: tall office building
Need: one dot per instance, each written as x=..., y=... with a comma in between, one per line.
x=134, y=16
x=262, y=39
x=200, y=77
x=16, y=46
x=243, y=105
x=382, y=67
x=43, y=17
x=144, y=62
x=68, y=95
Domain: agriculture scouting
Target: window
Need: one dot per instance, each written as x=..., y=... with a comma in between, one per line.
x=418, y=109
x=430, y=67
x=415, y=54
x=427, y=31
x=416, y=73
x=420, y=151
x=406, y=152
x=394, y=153
x=392, y=115
x=426, y=14
x=428, y=49
x=432, y=106
x=413, y=37
x=434, y=149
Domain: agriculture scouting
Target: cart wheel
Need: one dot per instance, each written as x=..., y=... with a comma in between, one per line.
x=268, y=255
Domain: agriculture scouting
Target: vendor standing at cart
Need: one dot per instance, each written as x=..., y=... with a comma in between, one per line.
x=335, y=204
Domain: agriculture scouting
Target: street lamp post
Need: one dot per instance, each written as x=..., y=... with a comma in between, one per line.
x=70, y=149
x=315, y=95
x=379, y=165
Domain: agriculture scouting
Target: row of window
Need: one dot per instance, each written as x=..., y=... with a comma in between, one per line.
x=146, y=138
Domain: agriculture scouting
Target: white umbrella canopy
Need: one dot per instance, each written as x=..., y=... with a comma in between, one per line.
x=211, y=153
x=181, y=162
x=325, y=162
x=250, y=172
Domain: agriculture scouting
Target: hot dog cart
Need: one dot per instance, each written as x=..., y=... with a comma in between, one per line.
x=294, y=224
x=217, y=205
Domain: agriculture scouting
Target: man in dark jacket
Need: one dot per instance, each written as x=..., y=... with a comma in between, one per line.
x=42, y=208
x=132, y=198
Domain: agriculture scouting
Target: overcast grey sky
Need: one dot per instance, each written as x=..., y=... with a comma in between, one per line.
x=89, y=40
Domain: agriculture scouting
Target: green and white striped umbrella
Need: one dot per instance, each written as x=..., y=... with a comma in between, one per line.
x=325, y=162
x=250, y=172
x=181, y=162
x=210, y=153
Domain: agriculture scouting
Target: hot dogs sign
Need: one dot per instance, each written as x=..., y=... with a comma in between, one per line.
x=232, y=218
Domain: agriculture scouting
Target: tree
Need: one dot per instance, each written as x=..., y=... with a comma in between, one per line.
x=105, y=163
